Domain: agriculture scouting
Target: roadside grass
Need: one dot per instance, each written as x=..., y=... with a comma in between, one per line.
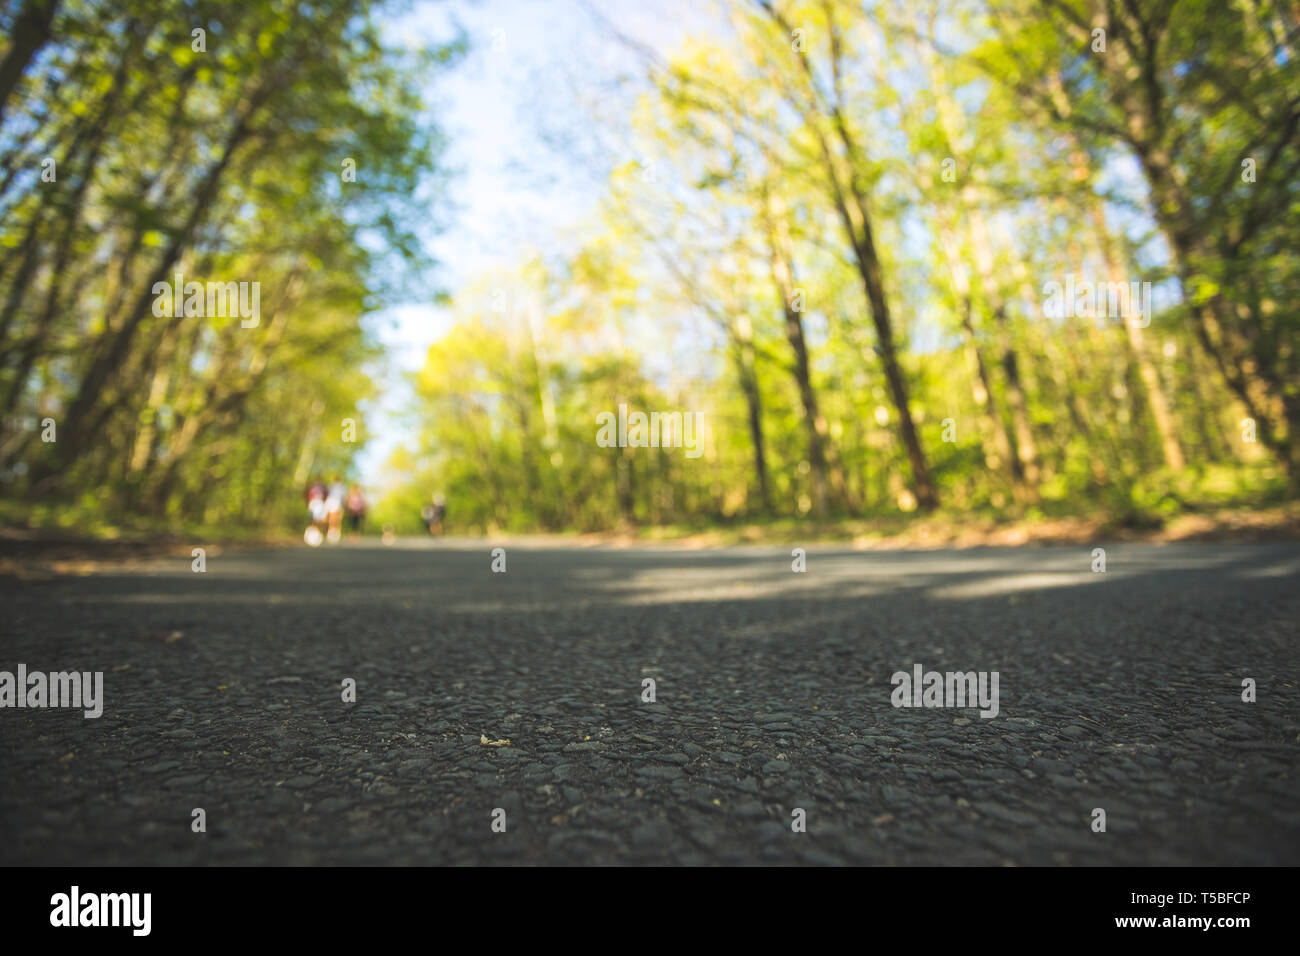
x=1241, y=502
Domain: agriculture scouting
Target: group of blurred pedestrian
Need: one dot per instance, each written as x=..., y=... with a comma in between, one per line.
x=329, y=506
x=334, y=505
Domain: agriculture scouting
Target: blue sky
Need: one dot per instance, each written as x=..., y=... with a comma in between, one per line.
x=528, y=68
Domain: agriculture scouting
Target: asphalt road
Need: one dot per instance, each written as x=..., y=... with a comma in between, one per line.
x=222, y=691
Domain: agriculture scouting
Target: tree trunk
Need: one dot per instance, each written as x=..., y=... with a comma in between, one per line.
x=742, y=350
x=108, y=362
x=984, y=394
x=856, y=220
x=826, y=469
x=1024, y=449
x=1169, y=444
x=31, y=30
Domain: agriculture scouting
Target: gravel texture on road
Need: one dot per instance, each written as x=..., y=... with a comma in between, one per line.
x=1119, y=690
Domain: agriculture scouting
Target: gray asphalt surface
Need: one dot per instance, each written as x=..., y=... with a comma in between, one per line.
x=1119, y=690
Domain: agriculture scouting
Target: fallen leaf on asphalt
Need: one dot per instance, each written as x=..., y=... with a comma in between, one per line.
x=884, y=818
x=492, y=743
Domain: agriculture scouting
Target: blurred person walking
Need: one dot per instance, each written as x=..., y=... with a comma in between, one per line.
x=434, y=514
x=316, y=514
x=334, y=510
x=355, y=505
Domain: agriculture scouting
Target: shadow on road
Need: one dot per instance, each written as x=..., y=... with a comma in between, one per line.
x=1119, y=690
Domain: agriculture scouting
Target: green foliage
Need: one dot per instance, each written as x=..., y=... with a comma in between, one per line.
x=837, y=251
x=992, y=151
x=224, y=165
